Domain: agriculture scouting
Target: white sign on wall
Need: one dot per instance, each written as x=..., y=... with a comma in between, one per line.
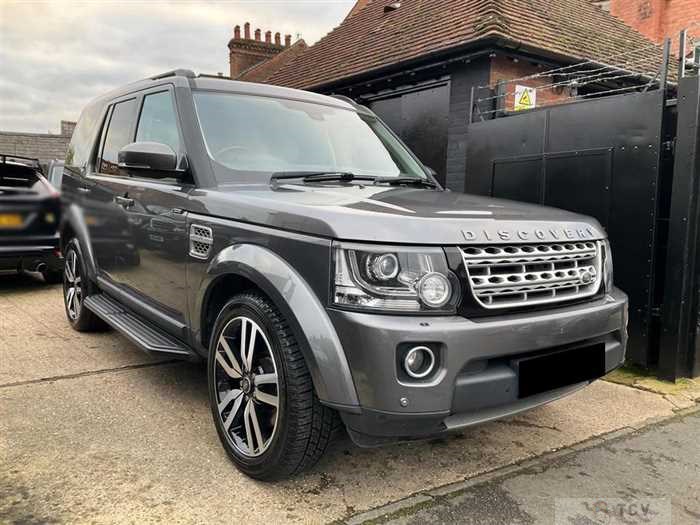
x=525, y=98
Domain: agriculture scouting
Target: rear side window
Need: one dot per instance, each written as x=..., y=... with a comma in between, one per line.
x=158, y=122
x=83, y=137
x=119, y=134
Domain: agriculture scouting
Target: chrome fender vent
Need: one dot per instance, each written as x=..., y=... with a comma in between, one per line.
x=201, y=240
x=506, y=276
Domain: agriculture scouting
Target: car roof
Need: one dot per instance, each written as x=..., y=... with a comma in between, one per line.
x=187, y=78
x=267, y=90
x=18, y=160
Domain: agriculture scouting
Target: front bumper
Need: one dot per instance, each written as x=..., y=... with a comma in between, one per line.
x=31, y=253
x=476, y=380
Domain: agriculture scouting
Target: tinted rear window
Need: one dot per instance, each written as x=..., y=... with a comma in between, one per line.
x=83, y=136
x=119, y=134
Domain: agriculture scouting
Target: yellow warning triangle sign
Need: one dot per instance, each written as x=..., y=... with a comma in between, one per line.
x=525, y=99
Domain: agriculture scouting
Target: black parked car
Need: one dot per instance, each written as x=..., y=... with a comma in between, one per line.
x=293, y=241
x=29, y=219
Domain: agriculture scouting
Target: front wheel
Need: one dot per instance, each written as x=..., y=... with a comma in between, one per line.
x=266, y=412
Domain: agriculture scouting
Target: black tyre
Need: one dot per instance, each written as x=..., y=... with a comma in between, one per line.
x=76, y=288
x=52, y=276
x=265, y=409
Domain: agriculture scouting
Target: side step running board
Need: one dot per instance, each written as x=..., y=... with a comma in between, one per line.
x=145, y=335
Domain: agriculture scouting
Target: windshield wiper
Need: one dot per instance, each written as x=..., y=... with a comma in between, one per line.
x=322, y=176
x=319, y=176
x=427, y=183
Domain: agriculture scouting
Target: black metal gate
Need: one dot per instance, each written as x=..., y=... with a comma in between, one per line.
x=680, y=338
x=601, y=157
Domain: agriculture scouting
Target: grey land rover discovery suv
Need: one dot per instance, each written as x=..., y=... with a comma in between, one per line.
x=292, y=241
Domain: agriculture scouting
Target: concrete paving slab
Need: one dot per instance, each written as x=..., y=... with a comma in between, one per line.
x=138, y=445
x=36, y=341
x=647, y=476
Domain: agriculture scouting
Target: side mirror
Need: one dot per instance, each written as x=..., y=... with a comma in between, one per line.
x=147, y=156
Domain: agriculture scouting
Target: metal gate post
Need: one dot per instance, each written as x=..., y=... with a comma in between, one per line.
x=679, y=352
x=682, y=39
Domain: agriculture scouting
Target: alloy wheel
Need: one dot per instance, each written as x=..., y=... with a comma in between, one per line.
x=247, y=386
x=73, y=289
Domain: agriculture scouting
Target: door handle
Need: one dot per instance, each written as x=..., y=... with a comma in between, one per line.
x=124, y=202
x=83, y=189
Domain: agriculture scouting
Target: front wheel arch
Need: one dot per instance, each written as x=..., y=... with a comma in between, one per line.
x=308, y=318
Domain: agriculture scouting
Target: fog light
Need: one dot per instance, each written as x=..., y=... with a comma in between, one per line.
x=434, y=289
x=419, y=362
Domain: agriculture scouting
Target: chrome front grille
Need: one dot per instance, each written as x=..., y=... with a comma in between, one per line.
x=506, y=276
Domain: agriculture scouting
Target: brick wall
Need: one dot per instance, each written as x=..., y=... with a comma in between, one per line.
x=657, y=19
x=645, y=16
x=506, y=68
x=43, y=146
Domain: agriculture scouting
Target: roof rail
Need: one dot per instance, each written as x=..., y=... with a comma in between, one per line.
x=220, y=77
x=175, y=73
x=18, y=159
x=346, y=99
x=359, y=107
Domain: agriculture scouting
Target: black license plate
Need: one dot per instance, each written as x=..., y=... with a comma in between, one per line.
x=541, y=373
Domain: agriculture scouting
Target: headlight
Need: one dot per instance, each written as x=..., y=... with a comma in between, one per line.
x=393, y=279
x=607, y=266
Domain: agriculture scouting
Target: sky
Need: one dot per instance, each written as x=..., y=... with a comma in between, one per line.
x=57, y=55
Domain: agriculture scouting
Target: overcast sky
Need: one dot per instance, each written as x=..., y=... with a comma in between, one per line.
x=57, y=55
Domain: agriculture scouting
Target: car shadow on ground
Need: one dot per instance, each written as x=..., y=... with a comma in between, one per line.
x=185, y=384
x=13, y=282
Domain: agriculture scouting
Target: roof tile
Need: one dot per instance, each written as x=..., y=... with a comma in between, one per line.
x=371, y=39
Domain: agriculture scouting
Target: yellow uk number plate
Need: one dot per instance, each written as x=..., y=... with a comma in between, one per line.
x=10, y=220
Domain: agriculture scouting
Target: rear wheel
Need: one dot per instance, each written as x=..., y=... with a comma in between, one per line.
x=75, y=290
x=266, y=412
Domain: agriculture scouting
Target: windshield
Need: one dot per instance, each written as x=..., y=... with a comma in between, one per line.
x=254, y=137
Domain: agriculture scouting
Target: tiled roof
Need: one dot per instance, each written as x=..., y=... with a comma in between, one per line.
x=373, y=39
x=262, y=71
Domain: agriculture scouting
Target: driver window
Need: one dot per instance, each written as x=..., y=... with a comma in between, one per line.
x=158, y=122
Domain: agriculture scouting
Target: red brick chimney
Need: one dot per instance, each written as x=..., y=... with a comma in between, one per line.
x=246, y=52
